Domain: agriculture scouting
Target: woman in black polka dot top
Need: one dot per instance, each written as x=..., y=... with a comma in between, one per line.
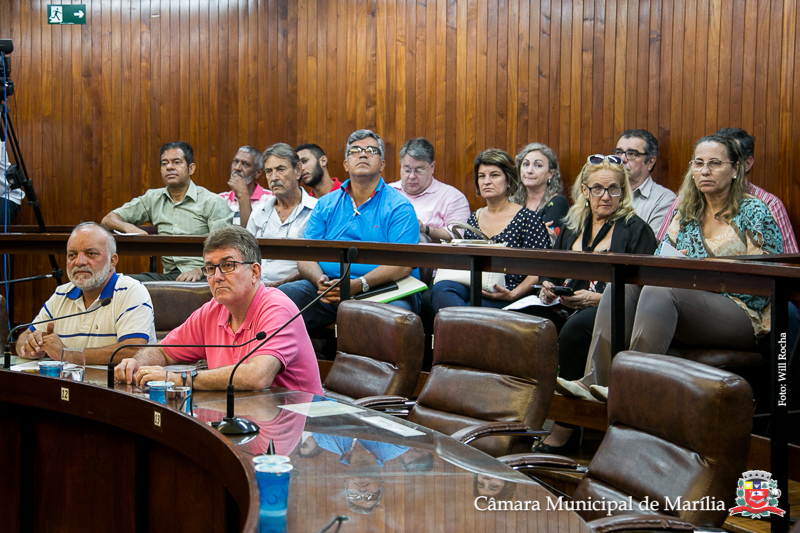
x=497, y=180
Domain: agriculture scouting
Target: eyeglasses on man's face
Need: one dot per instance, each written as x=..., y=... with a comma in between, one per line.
x=713, y=164
x=369, y=150
x=226, y=267
x=631, y=154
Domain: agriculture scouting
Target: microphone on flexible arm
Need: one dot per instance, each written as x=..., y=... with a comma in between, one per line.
x=234, y=425
x=259, y=336
x=7, y=362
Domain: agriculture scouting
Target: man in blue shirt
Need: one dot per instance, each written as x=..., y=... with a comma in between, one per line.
x=363, y=209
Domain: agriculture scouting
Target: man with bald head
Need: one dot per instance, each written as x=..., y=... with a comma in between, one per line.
x=128, y=319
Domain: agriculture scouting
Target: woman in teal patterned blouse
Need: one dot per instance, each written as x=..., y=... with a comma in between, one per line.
x=716, y=217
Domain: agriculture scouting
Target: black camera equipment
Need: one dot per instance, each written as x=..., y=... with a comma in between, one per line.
x=17, y=175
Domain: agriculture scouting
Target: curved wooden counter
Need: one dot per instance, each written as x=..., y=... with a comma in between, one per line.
x=80, y=457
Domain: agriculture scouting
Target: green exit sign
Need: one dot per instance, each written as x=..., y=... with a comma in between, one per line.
x=66, y=14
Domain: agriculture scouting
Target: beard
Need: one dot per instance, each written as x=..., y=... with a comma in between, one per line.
x=315, y=177
x=95, y=281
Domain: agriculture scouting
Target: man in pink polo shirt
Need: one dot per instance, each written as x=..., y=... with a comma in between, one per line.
x=241, y=308
x=436, y=203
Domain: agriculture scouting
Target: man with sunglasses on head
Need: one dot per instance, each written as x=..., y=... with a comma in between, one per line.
x=241, y=308
x=363, y=209
x=639, y=151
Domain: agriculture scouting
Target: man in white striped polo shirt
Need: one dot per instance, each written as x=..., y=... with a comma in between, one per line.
x=128, y=319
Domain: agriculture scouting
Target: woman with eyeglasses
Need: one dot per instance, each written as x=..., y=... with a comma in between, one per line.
x=503, y=221
x=601, y=219
x=541, y=189
x=716, y=217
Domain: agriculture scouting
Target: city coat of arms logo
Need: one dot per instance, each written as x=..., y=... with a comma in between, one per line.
x=757, y=495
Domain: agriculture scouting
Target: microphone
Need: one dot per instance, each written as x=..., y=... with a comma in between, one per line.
x=233, y=425
x=7, y=362
x=259, y=336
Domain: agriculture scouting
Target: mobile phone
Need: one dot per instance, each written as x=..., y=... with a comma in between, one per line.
x=562, y=291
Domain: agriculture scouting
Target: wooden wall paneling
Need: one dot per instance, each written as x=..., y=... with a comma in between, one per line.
x=450, y=150
x=289, y=115
x=583, y=132
x=498, y=70
x=663, y=131
x=610, y=79
x=699, y=44
x=771, y=139
x=470, y=77
x=787, y=79
x=596, y=107
x=713, y=64
x=305, y=57
x=563, y=110
x=553, y=98
x=624, y=76
x=749, y=63
x=443, y=69
x=369, y=85
x=643, y=63
x=760, y=92
x=409, y=60
x=794, y=184
x=482, y=81
x=522, y=35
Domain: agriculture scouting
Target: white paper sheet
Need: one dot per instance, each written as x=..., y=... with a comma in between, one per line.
x=324, y=408
x=392, y=426
x=667, y=250
x=529, y=301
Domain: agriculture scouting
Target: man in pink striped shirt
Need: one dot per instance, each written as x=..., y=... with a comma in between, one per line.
x=436, y=203
x=747, y=144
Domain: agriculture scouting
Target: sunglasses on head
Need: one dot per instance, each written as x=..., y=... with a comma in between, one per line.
x=597, y=159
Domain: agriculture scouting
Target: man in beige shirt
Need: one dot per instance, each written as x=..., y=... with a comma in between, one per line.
x=182, y=208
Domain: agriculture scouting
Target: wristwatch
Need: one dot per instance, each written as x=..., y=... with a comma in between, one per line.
x=428, y=231
x=364, y=284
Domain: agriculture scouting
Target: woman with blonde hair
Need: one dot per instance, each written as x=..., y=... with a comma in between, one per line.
x=716, y=217
x=601, y=219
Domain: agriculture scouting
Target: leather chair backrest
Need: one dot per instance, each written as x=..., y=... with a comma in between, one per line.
x=489, y=365
x=174, y=302
x=379, y=351
x=676, y=429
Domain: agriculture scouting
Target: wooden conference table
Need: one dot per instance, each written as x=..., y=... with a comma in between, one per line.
x=82, y=457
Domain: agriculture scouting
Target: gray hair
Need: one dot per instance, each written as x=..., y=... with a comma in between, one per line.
x=111, y=243
x=420, y=149
x=255, y=153
x=361, y=135
x=554, y=186
x=234, y=237
x=282, y=150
